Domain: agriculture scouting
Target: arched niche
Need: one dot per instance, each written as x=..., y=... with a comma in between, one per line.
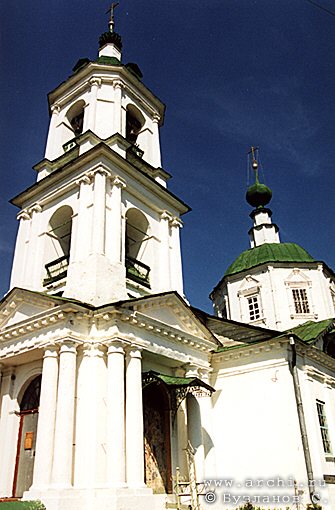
x=58, y=244
x=134, y=123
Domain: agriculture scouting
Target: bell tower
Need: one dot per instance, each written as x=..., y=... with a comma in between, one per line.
x=99, y=224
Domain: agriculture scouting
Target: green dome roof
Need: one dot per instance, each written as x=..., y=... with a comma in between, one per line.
x=269, y=252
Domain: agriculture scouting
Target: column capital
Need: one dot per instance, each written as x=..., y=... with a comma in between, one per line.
x=93, y=350
x=50, y=351
x=191, y=370
x=134, y=351
x=67, y=345
x=118, y=182
x=23, y=215
x=116, y=345
x=176, y=222
x=35, y=208
x=99, y=171
x=156, y=118
x=118, y=84
x=85, y=179
x=55, y=109
x=95, y=82
x=165, y=215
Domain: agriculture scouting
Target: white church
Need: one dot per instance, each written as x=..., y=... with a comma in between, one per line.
x=109, y=377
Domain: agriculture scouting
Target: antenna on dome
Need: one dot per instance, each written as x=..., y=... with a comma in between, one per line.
x=111, y=22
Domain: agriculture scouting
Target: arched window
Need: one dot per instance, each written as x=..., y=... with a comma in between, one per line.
x=134, y=123
x=137, y=227
x=75, y=116
x=58, y=244
x=31, y=397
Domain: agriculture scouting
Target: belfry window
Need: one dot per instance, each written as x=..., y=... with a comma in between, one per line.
x=134, y=123
x=75, y=116
x=58, y=245
x=137, y=227
x=300, y=301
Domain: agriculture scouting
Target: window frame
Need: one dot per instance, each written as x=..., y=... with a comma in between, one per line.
x=323, y=427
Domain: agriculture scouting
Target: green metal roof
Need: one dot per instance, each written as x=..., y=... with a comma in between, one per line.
x=269, y=252
x=21, y=505
x=311, y=331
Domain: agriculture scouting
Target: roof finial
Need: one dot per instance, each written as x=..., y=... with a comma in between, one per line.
x=254, y=163
x=258, y=195
x=111, y=19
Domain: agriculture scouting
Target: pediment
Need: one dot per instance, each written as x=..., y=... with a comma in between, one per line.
x=172, y=311
x=297, y=277
x=249, y=284
x=20, y=305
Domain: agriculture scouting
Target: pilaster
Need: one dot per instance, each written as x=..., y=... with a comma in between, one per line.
x=52, y=142
x=95, y=84
x=118, y=88
x=176, y=269
x=165, y=269
x=156, y=150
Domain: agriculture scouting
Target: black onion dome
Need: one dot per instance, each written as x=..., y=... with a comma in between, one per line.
x=110, y=37
x=258, y=195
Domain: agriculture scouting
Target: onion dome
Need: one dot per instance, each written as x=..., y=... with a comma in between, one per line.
x=258, y=195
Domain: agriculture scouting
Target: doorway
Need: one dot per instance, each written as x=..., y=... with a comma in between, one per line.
x=157, y=442
x=26, y=444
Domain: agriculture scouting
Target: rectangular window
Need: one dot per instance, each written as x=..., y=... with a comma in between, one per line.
x=323, y=426
x=254, y=310
x=300, y=301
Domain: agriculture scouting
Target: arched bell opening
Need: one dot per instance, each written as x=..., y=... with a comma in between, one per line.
x=134, y=123
x=157, y=439
x=75, y=117
x=26, y=444
x=136, y=247
x=58, y=245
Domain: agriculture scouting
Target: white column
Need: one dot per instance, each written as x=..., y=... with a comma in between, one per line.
x=118, y=86
x=115, y=230
x=89, y=470
x=92, y=113
x=176, y=264
x=99, y=212
x=46, y=419
x=51, y=151
x=116, y=446
x=63, y=446
x=156, y=149
x=164, y=258
x=134, y=419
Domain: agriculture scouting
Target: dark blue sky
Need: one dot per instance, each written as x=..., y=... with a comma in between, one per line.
x=232, y=74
